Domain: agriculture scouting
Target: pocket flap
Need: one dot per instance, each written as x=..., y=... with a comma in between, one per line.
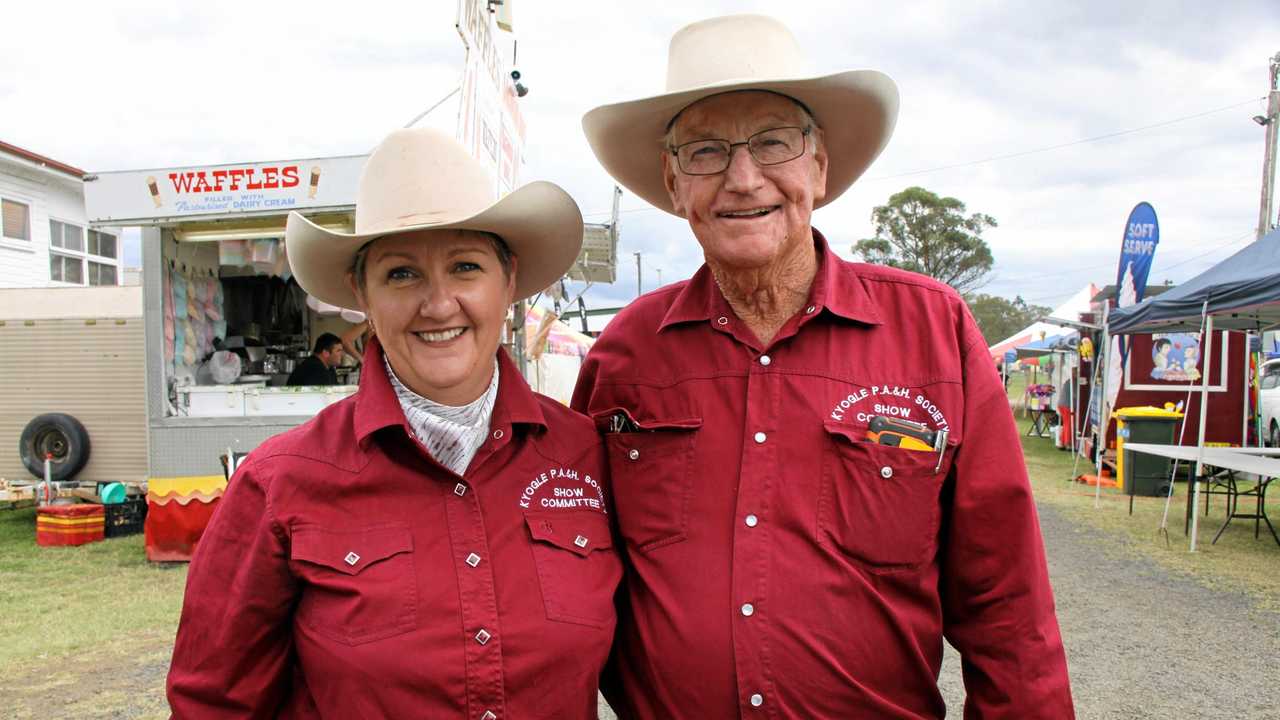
x=604, y=418
x=349, y=552
x=578, y=531
x=849, y=434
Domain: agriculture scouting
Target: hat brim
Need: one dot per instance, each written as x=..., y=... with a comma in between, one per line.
x=857, y=110
x=539, y=222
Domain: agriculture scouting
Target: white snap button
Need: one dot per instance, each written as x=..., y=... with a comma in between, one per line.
x=760, y=437
x=488, y=715
x=634, y=454
x=748, y=609
x=459, y=489
x=765, y=359
x=580, y=541
x=497, y=434
x=886, y=472
x=751, y=520
x=351, y=558
x=722, y=320
x=809, y=310
x=757, y=700
x=483, y=636
x=473, y=559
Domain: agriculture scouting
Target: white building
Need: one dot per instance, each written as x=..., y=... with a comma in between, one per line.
x=45, y=240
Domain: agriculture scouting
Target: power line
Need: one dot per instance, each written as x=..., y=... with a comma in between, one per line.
x=1022, y=153
x=1228, y=241
x=1107, y=136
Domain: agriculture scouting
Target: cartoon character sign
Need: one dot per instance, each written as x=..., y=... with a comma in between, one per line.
x=1174, y=357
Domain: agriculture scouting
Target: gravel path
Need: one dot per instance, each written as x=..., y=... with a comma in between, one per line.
x=1144, y=644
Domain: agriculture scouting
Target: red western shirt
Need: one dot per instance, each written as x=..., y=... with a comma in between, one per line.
x=346, y=574
x=782, y=566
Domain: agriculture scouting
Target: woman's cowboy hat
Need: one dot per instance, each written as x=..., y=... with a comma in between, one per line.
x=424, y=180
x=856, y=108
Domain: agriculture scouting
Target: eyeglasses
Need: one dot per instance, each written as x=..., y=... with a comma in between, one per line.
x=767, y=147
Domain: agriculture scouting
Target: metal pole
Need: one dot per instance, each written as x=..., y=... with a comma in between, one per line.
x=1204, y=407
x=1272, y=124
x=639, y=291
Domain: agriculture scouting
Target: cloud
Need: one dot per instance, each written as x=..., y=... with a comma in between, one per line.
x=150, y=84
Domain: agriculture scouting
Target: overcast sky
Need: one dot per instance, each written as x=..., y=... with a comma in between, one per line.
x=136, y=84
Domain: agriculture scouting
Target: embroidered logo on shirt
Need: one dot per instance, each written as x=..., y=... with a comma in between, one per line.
x=560, y=487
x=893, y=401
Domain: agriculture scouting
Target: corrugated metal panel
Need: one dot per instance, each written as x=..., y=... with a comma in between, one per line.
x=92, y=370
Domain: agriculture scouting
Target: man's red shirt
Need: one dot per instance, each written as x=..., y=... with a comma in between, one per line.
x=779, y=564
x=346, y=574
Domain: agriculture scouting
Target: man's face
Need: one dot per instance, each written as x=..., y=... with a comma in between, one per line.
x=750, y=215
x=332, y=357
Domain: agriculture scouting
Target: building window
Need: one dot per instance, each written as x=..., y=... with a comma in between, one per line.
x=102, y=244
x=63, y=268
x=66, y=236
x=15, y=217
x=101, y=274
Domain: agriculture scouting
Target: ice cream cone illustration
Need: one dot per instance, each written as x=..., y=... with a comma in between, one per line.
x=155, y=190
x=315, y=181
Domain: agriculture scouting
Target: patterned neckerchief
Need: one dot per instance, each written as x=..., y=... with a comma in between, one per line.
x=451, y=434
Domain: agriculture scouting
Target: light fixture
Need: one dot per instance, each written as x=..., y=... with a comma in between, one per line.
x=1262, y=120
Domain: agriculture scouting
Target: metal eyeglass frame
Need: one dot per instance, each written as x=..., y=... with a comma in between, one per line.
x=805, y=131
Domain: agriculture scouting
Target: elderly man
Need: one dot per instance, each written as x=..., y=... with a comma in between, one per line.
x=782, y=563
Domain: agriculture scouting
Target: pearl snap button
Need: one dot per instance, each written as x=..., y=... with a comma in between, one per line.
x=751, y=520
x=760, y=437
x=634, y=454
x=765, y=359
x=886, y=472
x=757, y=700
x=748, y=610
x=497, y=434
x=722, y=320
x=809, y=311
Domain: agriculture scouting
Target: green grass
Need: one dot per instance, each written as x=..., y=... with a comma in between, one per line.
x=67, y=601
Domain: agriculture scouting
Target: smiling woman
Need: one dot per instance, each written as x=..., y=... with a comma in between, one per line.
x=413, y=532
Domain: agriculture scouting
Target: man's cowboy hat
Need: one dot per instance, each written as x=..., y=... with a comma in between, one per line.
x=856, y=108
x=424, y=180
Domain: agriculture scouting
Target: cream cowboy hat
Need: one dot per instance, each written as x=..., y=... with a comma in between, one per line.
x=856, y=108
x=424, y=180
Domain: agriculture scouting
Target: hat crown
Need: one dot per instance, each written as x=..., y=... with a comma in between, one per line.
x=420, y=177
x=732, y=47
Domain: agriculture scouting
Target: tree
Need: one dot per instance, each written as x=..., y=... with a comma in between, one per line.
x=931, y=235
x=999, y=318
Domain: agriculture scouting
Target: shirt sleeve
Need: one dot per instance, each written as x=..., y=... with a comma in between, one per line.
x=233, y=652
x=997, y=602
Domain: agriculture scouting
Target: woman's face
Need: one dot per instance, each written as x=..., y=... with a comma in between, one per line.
x=437, y=300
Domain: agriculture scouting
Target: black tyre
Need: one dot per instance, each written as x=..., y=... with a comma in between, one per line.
x=58, y=435
x=1275, y=434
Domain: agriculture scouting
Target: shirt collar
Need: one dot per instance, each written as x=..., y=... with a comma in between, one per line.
x=377, y=406
x=836, y=287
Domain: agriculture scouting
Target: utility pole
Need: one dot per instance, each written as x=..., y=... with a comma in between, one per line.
x=1271, y=121
x=639, y=291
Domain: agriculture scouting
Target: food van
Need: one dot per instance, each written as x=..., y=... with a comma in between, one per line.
x=215, y=278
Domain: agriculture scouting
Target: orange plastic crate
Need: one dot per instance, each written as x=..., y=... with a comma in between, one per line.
x=69, y=524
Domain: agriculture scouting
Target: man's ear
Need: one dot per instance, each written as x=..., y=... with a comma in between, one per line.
x=669, y=179
x=819, y=165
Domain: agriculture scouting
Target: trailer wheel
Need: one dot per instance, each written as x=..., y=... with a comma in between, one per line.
x=59, y=435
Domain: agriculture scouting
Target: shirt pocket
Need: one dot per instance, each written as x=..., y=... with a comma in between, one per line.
x=879, y=504
x=652, y=480
x=578, y=570
x=359, y=585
